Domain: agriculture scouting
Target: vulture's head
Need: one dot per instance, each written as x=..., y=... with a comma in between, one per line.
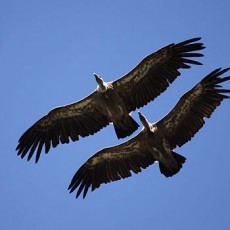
x=144, y=121
x=100, y=82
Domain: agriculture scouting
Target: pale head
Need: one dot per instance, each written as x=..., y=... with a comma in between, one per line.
x=100, y=82
x=144, y=121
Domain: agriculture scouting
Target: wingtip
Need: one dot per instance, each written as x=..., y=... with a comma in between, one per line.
x=194, y=39
x=70, y=187
x=203, y=47
x=84, y=195
x=191, y=40
x=227, y=69
x=221, y=71
x=17, y=148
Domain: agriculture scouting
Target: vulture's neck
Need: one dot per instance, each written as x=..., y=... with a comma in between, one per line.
x=145, y=122
x=102, y=86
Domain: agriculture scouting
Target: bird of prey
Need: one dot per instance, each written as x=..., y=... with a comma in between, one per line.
x=111, y=102
x=156, y=141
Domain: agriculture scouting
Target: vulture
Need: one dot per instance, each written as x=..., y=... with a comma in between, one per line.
x=156, y=141
x=111, y=102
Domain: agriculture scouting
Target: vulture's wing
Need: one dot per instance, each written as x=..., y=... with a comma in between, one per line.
x=187, y=117
x=70, y=121
x=112, y=164
x=156, y=72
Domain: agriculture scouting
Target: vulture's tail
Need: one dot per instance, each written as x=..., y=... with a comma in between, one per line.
x=180, y=160
x=125, y=127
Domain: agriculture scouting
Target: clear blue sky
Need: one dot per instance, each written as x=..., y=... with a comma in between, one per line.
x=49, y=50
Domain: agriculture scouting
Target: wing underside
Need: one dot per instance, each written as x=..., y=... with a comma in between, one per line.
x=153, y=75
x=112, y=164
x=61, y=125
x=187, y=117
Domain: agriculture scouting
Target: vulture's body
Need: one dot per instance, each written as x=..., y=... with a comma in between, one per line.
x=157, y=141
x=111, y=102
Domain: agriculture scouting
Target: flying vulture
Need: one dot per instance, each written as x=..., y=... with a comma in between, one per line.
x=156, y=141
x=111, y=101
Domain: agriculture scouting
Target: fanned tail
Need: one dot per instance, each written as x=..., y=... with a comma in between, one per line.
x=126, y=127
x=180, y=160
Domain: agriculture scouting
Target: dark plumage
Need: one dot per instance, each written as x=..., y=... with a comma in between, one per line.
x=157, y=140
x=111, y=101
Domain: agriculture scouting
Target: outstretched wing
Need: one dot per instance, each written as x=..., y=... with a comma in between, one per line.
x=187, y=117
x=153, y=75
x=112, y=164
x=71, y=121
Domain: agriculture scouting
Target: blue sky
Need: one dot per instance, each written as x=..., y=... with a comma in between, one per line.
x=49, y=50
